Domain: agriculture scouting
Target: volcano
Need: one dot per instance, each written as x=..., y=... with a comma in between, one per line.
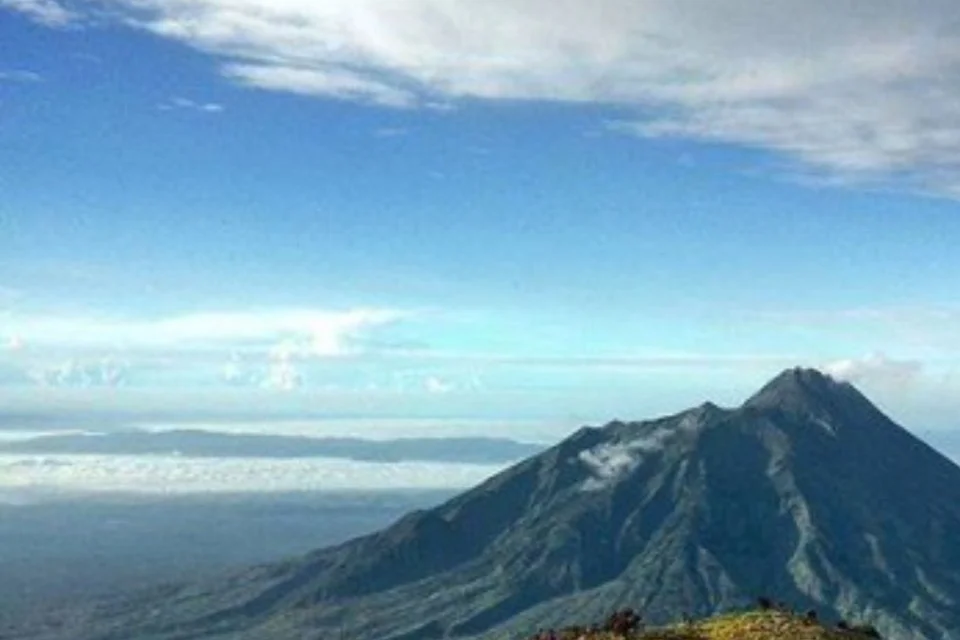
x=806, y=493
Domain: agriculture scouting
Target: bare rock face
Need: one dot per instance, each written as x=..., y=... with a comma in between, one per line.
x=806, y=493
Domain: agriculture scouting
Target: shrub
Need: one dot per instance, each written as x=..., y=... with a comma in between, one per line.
x=623, y=622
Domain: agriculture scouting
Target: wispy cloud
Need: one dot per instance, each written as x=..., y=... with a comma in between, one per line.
x=46, y=12
x=289, y=349
x=610, y=462
x=176, y=103
x=307, y=332
x=72, y=373
x=851, y=96
x=19, y=75
x=282, y=372
x=876, y=368
x=391, y=132
x=331, y=83
x=267, y=349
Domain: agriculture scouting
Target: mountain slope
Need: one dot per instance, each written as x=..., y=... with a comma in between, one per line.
x=806, y=492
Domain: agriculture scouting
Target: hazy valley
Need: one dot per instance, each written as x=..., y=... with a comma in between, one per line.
x=56, y=549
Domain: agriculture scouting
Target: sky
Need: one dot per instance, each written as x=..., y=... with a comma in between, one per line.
x=533, y=210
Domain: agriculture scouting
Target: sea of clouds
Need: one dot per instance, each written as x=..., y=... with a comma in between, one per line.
x=180, y=475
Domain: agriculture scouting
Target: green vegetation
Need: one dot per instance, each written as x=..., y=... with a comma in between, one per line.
x=762, y=624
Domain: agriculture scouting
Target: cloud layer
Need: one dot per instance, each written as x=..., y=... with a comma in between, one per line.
x=846, y=92
x=248, y=348
x=174, y=475
x=315, y=331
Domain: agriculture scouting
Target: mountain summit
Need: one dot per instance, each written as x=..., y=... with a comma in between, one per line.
x=806, y=493
x=812, y=392
x=799, y=386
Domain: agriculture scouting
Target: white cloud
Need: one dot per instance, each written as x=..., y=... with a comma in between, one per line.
x=105, y=372
x=46, y=12
x=191, y=105
x=282, y=373
x=265, y=349
x=239, y=372
x=465, y=381
x=19, y=75
x=335, y=83
x=610, y=462
x=233, y=371
x=437, y=385
x=278, y=372
x=174, y=474
x=308, y=332
x=876, y=368
x=845, y=91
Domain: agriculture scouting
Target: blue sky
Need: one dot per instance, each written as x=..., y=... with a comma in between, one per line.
x=430, y=208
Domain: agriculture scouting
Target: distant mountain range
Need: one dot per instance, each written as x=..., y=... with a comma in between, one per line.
x=210, y=444
x=806, y=493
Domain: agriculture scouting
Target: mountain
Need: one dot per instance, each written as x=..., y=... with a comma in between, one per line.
x=199, y=443
x=806, y=493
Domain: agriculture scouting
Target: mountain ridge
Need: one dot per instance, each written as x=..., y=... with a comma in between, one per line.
x=212, y=444
x=806, y=492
